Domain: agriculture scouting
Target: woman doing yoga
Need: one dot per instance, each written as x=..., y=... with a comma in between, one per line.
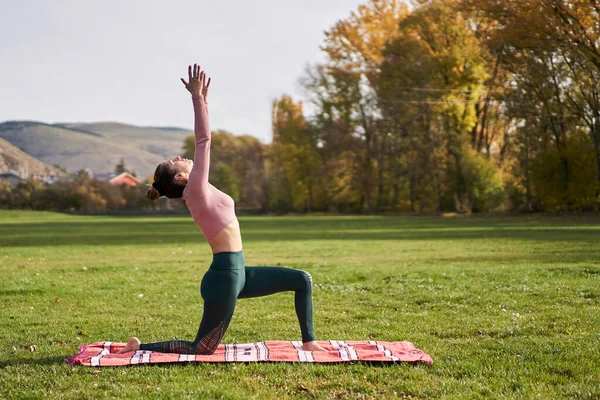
x=227, y=279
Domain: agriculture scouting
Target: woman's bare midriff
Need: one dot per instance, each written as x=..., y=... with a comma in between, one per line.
x=229, y=239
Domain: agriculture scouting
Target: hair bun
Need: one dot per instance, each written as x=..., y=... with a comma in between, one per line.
x=152, y=193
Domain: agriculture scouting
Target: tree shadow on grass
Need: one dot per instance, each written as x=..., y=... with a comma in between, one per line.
x=566, y=257
x=52, y=360
x=19, y=292
x=160, y=230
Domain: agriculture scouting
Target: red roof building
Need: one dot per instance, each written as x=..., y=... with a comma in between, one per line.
x=124, y=178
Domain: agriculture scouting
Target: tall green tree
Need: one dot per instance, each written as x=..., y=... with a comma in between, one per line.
x=242, y=165
x=343, y=91
x=294, y=155
x=551, y=49
x=433, y=88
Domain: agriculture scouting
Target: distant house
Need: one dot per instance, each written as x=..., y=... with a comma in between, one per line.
x=12, y=177
x=124, y=178
x=50, y=180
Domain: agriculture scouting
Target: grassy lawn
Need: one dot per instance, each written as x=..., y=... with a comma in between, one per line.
x=506, y=307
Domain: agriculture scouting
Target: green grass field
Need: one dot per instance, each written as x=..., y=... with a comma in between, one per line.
x=507, y=307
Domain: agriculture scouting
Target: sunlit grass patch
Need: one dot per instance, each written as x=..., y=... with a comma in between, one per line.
x=507, y=307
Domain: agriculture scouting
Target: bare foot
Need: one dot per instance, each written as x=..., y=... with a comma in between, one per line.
x=132, y=345
x=312, y=346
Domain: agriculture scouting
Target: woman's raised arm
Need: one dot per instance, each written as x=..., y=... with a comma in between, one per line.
x=198, y=87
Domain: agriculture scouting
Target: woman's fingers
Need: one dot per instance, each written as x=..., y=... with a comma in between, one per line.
x=194, y=72
x=196, y=78
x=205, y=88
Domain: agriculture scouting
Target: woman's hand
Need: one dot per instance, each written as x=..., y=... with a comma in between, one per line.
x=197, y=84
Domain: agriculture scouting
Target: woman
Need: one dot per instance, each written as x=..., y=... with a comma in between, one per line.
x=227, y=279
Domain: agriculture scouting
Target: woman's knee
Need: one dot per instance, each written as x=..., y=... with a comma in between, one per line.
x=208, y=345
x=305, y=280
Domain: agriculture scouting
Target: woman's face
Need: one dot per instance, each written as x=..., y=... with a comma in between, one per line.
x=182, y=165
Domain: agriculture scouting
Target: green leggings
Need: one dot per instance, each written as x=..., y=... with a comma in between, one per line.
x=228, y=280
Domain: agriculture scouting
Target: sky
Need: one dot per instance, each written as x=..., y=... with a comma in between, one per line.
x=121, y=60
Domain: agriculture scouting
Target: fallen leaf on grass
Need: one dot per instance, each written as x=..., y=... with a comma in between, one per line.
x=96, y=372
x=303, y=388
x=83, y=333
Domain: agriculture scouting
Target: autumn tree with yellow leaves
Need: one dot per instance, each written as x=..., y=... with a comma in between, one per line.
x=436, y=106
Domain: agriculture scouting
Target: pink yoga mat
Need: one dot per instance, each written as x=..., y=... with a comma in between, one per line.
x=103, y=354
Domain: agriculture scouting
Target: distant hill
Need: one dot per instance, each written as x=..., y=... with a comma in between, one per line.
x=166, y=142
x=98, y=146
x=15, y=159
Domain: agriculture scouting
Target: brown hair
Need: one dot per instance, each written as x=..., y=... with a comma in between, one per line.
x=165, y=184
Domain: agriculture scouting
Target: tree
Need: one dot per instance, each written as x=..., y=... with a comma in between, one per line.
x=226, y=180
x=24, y=192
x=5, y=195
x=294, y=156
x=432, y=90
x=551, y=48
x=244, y=157
x=120, y=167
x=343, y=92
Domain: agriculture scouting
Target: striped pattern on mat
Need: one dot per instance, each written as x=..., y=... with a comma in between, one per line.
x=103, y=354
